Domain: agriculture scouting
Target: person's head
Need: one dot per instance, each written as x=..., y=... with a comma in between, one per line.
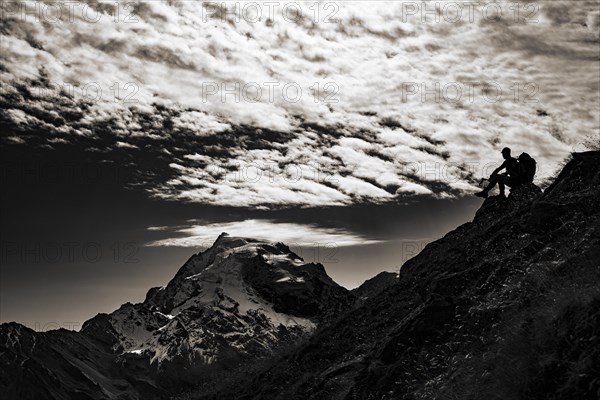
x=506, y=153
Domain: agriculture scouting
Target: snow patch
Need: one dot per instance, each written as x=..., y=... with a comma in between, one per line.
x=273, y=259
x=297, y=279
x=167, y=316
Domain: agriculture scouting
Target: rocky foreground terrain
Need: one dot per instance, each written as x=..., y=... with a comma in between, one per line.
x=504, y=307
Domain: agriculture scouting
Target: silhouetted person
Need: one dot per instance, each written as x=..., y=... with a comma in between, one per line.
x=511, y=178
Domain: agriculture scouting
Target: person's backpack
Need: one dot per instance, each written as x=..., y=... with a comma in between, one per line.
x=527, y=167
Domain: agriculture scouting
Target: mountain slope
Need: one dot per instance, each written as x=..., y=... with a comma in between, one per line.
x=58, y=364
x=377, y=284
x=504, y=307
x=240, y=300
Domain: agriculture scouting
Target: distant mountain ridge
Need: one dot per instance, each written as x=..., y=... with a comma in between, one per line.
x=236, y=302
x=377, y=284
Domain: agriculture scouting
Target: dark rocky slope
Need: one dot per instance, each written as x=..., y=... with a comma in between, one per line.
x=377, y=284
x=504, y=307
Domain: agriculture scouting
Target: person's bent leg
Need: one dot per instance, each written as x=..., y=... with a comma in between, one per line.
x=493, y=181
x=502, y=179
x=490, y=186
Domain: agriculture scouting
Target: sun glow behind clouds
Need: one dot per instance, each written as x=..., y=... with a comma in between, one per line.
x=292, y=234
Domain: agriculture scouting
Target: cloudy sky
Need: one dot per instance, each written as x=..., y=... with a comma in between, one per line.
x=133, y=133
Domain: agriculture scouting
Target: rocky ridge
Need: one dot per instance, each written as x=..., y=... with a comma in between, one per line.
x=504, y=307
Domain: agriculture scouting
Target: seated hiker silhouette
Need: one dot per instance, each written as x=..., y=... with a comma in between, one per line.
x=511, y=178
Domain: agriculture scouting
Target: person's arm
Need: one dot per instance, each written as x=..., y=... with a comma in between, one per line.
x=500, y=168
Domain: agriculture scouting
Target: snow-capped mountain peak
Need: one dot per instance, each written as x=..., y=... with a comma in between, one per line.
x=240, y=298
